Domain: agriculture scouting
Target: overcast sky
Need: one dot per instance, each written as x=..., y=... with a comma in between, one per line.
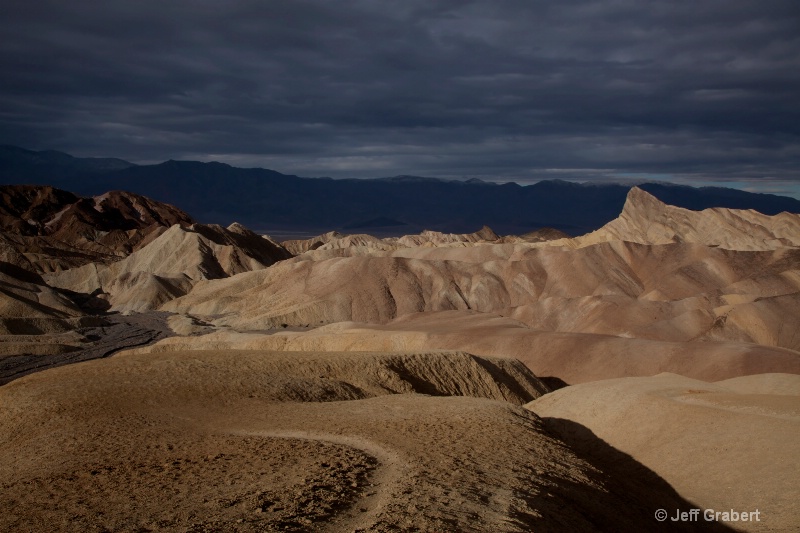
x=700, y=91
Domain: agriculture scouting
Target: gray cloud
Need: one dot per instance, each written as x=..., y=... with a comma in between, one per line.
x=502, y=90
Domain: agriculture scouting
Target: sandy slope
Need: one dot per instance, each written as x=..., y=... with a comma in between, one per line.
x=330, y=376
x=669, y=292
x=733, y=444
x=571, y=357
x=169, y=266
x=204, y=441
x=28, y=306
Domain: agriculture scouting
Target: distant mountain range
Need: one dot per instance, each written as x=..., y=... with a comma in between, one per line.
x=266, y=200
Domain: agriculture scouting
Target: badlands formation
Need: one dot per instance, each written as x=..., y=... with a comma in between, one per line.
x=431, y=382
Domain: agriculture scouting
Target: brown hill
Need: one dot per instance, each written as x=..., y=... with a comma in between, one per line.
x=54, y=229
x=43, y=210
x=171, y=264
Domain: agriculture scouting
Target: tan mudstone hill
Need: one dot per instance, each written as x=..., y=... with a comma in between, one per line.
x=170, y=265
x=726, y=445
x=671, y=292
x=647, y=220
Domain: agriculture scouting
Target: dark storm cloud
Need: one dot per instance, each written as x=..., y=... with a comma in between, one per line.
x=498, y=89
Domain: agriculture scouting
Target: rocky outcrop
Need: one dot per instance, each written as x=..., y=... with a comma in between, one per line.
x=647, y=220
x=50, y=230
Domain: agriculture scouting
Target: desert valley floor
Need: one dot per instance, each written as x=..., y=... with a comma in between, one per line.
x=157, y=374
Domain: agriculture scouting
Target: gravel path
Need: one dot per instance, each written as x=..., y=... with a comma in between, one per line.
x=120, y=333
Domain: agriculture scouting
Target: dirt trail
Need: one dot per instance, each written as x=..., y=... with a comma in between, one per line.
x=382, y=480
x=119, y=333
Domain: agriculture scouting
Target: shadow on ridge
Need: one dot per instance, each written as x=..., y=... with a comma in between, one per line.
x=641, y=491
x=553, y=383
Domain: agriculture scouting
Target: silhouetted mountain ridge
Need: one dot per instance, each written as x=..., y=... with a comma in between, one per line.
x=19, y=165
x=267, y=200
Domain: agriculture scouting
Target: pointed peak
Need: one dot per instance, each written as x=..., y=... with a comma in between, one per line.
x=639, y=198
x=637, y=192
x=486, y=233
x=238, y=228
